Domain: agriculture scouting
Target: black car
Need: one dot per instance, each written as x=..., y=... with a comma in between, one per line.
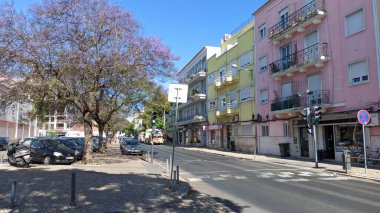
x=131, y=146
x=48, y=151
x=73, y=144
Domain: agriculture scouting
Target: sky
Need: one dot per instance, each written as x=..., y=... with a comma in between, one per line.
x=185, y=26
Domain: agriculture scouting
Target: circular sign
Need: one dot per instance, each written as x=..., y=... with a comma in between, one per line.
x=363, y=117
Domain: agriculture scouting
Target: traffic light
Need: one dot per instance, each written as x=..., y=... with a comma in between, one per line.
x=317, y=114
x=153, y=120
x=308, y=116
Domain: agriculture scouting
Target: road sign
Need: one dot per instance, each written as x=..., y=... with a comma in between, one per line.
x=364, y=117
x=177, y=92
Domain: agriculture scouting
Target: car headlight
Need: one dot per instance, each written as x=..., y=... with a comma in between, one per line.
x=57, y=154
x=76, y=153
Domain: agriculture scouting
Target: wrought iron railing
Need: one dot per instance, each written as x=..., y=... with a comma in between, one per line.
x=305, y=13
x=305, y=56
x=301, y=100
x=191, y=117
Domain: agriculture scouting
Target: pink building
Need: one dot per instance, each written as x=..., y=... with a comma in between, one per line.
x=316, y=53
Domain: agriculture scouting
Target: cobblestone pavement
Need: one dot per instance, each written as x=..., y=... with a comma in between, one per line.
x=113, y=183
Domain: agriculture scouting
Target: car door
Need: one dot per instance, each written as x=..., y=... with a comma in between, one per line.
x=36, y=151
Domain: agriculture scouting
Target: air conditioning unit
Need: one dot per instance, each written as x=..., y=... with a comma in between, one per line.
x=227, y=37
x=235, y=118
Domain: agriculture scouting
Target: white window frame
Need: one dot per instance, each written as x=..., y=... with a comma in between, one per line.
x=233, y=103
x=262, y=31
x=262, y=66
x=264, y=100
x=361, y=81
x=212, y=104
x=346, y=24
x=286, y=129
x=222, y=105
x=242, y=96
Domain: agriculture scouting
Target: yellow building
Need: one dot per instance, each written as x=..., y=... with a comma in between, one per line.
x=230, y=92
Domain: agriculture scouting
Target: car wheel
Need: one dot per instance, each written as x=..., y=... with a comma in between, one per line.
x=47, y=160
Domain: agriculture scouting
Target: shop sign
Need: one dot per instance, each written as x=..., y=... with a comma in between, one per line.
x=212, y=127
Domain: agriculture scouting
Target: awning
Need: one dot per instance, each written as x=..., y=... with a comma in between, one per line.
x=212, y=127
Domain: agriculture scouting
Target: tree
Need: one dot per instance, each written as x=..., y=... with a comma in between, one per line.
x=87, y=54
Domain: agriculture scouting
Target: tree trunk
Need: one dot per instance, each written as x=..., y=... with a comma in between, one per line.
x=88, y=150
x=101, y=130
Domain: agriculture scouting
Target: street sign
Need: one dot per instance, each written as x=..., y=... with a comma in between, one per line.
x=364, y=117
x=177, y=92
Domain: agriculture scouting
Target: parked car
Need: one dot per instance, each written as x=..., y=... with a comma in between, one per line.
x=48, y=151
x=73, y=144
x=131, y=146
x=4, y=143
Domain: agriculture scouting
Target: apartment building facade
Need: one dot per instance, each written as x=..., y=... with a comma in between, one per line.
x=192, y=115
x=230, y=92
x=317, y=53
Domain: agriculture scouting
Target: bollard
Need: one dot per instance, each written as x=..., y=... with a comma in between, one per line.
x=173, y=181
x=13, y=194
x=170, y=166
x=167, y=165
x=72, y=189
x=177, y=177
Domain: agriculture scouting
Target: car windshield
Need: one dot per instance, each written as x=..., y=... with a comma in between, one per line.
x=54, y=144
x=67, y=143
x=131, y=142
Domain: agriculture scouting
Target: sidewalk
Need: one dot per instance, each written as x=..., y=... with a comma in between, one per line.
x=357, y=172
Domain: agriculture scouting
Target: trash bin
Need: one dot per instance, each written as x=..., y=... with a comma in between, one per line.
x=232, y=145
x=284, y=149
x=321, y=154
x=346, y=160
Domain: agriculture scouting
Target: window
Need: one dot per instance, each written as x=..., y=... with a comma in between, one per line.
x=358, y=72
x=286, y=129
x=263, y=62
x=262, y=31
x=354, y=22
x=233, y=99
x=211, y=78
x=245, y=93
x=245, y=59
x=246, y=130
x=264, y=131
x=264, y=96
x=222, y=102
x=232, y=70
x=222, y=74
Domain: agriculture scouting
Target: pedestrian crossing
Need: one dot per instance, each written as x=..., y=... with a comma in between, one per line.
x=278, y=176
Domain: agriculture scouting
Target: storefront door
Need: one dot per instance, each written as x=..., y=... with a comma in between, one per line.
x=304, y=142
x=329, y=138
x=229, y=132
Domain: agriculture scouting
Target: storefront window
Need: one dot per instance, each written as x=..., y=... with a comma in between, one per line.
x=348, y=137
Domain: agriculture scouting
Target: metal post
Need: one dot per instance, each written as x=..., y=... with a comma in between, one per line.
x=167, y=165
x=315, y=146
x=176, y=129
x=13, y=194
x=17, y=115
x=151, y=157
x=177, y=174
x=73, y=189
x=365, y=152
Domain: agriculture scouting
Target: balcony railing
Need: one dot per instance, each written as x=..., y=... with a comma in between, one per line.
x=302, y=15
x=194, y=117
x=309, y=55
x=319, y=97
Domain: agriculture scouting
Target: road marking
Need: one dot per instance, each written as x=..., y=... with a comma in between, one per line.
x=307, y=174
x=325, y=175
x=266, y=175
x=219, y=178
x=225, y=176
x=204, y=176
x=334, y=178
x=291, y=180
x=195, y=179
x=285, y=174
x=241, y=177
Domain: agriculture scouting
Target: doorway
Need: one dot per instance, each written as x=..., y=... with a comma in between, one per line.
x=229, y=133
x=329, y=138
x=304, y=142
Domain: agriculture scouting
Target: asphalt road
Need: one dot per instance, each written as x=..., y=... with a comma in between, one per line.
x=254, y=186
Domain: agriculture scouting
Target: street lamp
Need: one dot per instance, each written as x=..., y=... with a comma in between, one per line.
x=235, y=66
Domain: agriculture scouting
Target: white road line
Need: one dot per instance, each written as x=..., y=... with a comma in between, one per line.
x=195, y=179
x=307, y=174
x=291, y=180
x=334, y=178
x=325, y=175
x=241, y=177
x=204, y=176
x=285, y=174
x=225, y=176
x=218, y=178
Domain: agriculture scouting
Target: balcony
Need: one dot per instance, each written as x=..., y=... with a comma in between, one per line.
x=196, y=77
x=311, y=13
x=298, y=101
x=198, y=97
x=192, y=119
x=314, y=55
x=230, y=110
x=227, y=80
